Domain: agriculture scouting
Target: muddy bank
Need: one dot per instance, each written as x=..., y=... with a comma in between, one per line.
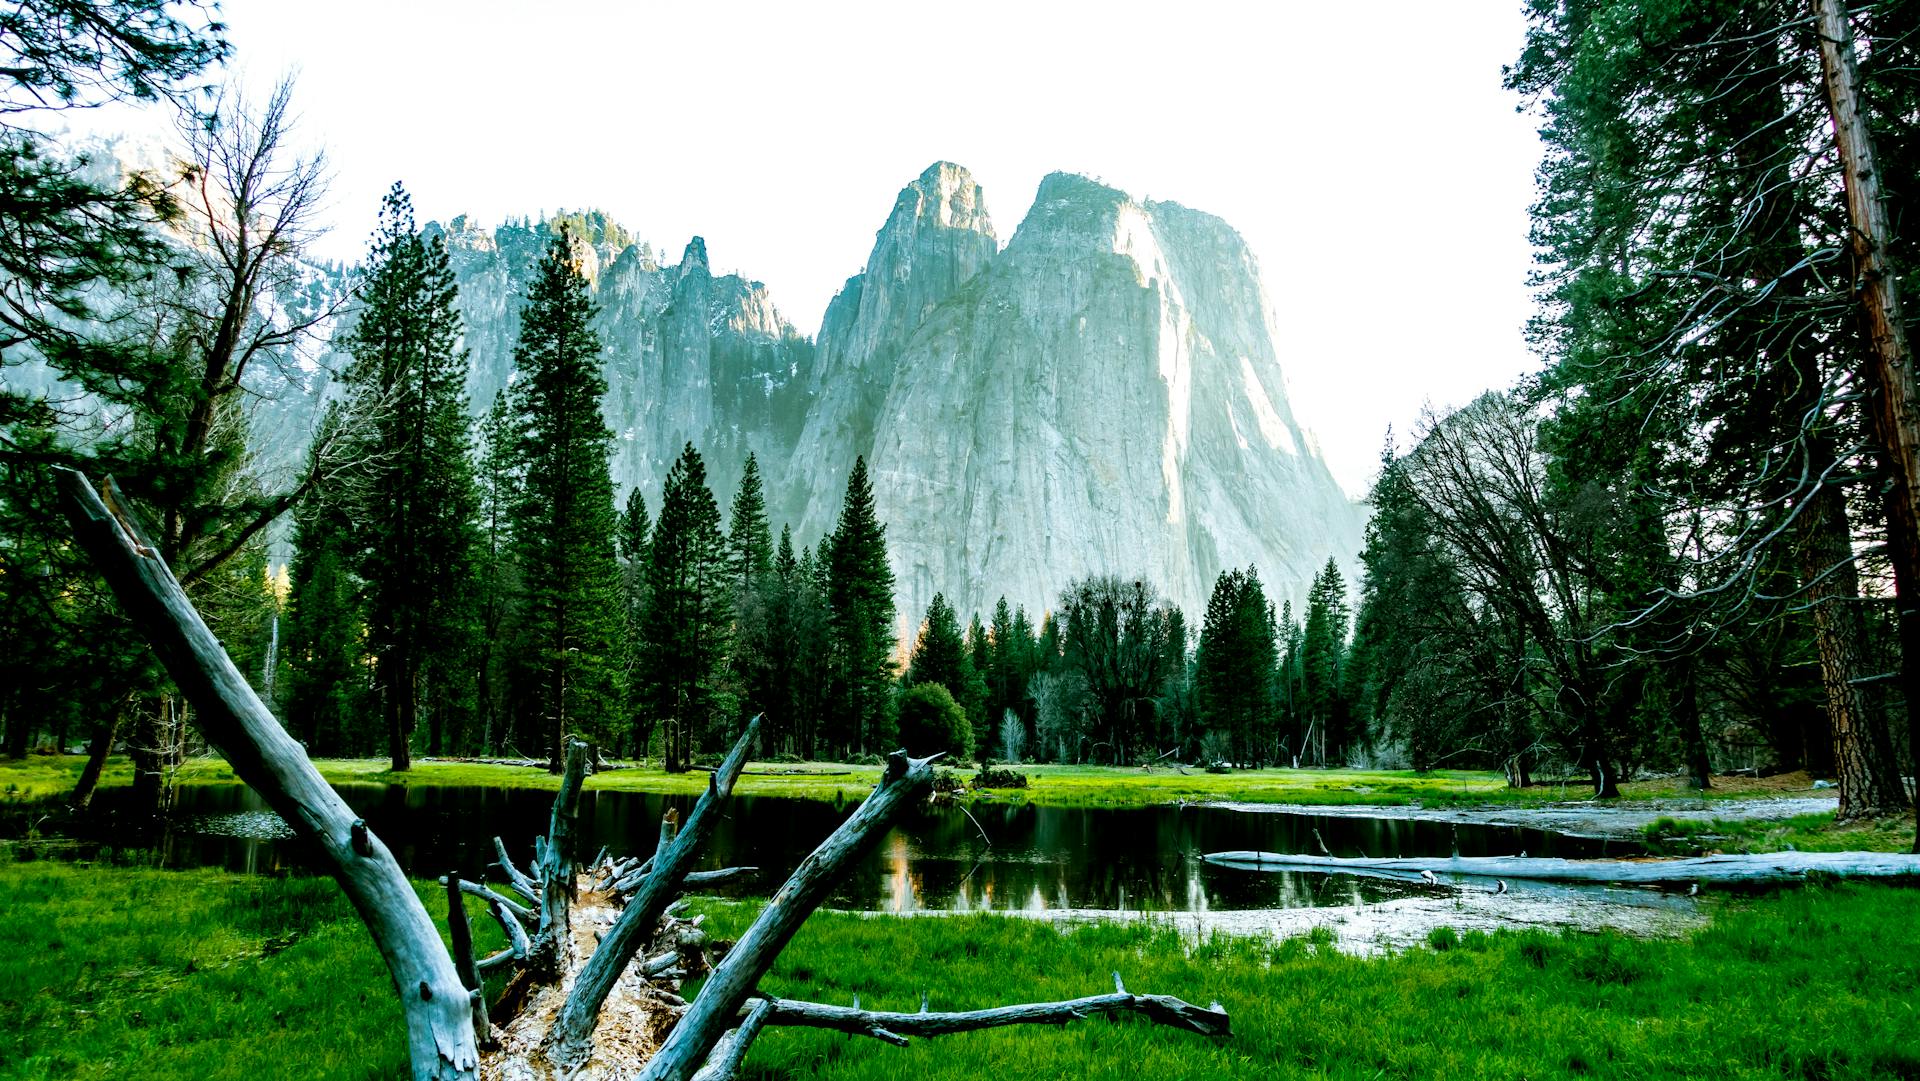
x=1621, y=821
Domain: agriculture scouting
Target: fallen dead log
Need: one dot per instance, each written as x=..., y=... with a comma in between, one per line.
x=894, y=1028
x=781, y=772
x=573, y=1028
x=440, y=990
x=1762, y=867
x=441, y=1044
x=692, y=1041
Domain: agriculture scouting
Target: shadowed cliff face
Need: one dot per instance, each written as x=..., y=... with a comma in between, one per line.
x=1105, y=394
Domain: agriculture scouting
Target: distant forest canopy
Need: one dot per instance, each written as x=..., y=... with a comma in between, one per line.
x=1686, y=544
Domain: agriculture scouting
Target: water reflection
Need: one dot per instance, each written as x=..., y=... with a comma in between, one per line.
x=1031, y=858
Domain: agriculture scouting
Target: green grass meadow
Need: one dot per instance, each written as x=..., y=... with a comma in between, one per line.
x=131, y=972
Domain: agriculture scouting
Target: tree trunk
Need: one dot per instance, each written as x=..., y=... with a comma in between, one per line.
x=1889, y=371
x=18, y=729
x=1760, y=867
x=1863, y=764
x=97, y=751
x=435, y=1003
x=1699, y=765
x=396, y=698
x=154, y=753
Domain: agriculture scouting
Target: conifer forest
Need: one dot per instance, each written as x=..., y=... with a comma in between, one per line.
x=416, y=594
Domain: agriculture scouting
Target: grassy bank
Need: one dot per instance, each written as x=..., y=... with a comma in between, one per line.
x=42, y=776
x=126, y=972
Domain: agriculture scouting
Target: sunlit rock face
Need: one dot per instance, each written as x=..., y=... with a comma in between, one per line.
x=1104, y=394
x=690, y=357
x=937, y=238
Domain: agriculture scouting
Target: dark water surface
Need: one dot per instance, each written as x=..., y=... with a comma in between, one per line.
x=1138, y=859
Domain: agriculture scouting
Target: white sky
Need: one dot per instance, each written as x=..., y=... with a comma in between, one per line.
x=1368, y=154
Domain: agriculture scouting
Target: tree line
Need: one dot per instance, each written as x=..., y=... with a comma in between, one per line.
x=476, y=591
x=480, y=588
x=1688, y=541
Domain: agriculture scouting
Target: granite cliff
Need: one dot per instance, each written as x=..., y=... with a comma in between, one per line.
x=1103, y=394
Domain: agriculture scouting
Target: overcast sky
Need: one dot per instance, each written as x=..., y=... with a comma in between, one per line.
x=1368, y=154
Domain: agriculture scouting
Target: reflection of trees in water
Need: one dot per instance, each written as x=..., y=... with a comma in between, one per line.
x=1039, y=859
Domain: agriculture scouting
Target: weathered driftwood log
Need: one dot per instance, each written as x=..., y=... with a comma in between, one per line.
x=522, y=883
x=731, y=1051
x=556, y=864
x=1763, y=867
x=482, y=891
x=692, y=1041
x=573, y=1029
x=519, y=947
x=725, y=876
x=440, y=1036
x=894, y=1028
x=464, y=962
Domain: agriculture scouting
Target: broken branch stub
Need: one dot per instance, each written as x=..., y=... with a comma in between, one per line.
x=556, y=857
x=441, y=1044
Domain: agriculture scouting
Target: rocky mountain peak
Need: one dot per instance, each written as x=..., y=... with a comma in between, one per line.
x=944, y=196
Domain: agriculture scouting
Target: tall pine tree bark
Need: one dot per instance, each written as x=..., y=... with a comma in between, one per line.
x=1895, y=394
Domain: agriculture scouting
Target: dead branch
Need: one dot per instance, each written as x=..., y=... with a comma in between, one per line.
x=463, y=959
x=717, y=1008
x=896, y=1027
x=556, y=883
x=573, y=1029
x=480, y=890
x=440, y=1036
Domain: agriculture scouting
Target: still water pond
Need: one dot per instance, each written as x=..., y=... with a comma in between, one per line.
x=1017, y=857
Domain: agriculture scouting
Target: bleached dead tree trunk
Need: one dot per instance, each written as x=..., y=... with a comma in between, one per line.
x=442, y=996
x=1761, y=867
x=440, y=1037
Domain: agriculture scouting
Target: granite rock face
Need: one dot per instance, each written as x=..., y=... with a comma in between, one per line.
x=690, y=356
x=1104, y=394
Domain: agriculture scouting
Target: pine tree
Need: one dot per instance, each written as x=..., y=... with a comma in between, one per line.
x=1323, y=655
x=563, y=521
x=322, y=681
x=973, y=695
x=414, y=503
x=497, y=485
x=940, y=653
x=806, y=653
x=689, y=614
x=749, y=551
x=1234, y=667
x=860, y=602
x=635, y=542
x=749, y=538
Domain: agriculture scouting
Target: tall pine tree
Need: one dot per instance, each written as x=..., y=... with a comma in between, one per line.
x=749, y=538
x=563, y=521
x=689, y=613
x=860, y=604
x=414, y=502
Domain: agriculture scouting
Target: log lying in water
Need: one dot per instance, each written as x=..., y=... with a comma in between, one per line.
x=1764, y=867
